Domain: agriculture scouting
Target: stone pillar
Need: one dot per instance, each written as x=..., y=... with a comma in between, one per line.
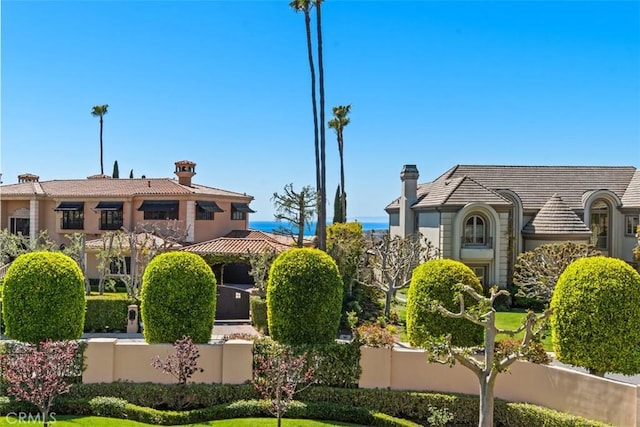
x=376, y=367
x=99, y=357
x=34, y=214
x=191, y=221
x=408, y=196
x=132, y=319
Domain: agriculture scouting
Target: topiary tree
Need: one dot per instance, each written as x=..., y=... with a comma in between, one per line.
x=43, y=298
x=596, y=312
x=178, y=298
x=435, y=281
x=304, y=297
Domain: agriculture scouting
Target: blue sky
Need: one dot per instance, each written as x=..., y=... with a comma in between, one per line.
x=226, y=84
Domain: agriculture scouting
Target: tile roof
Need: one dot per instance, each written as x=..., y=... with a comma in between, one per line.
x=536, y=184
x=631, y=196
x=111, y=188
x=239, y=242
x=533, y=184
x=556, y=217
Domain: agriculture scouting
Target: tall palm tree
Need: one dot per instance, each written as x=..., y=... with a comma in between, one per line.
x=322, y=214
x=304, y=6
x=339, y=121
x=100, y=111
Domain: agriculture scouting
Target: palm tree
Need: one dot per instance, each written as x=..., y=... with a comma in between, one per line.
x=305, y=7
x=322, y=211
x=339, y=121
x=100, y=111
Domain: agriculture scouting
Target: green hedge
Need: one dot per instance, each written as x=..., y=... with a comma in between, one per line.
x=43, y=298
x=416, y=406
x=119, y=408
x=258, y=308
x=338, y=364
x=106, y=313
x=435, y=280
x=596, y=312
x=178, y=298
x=304, y=297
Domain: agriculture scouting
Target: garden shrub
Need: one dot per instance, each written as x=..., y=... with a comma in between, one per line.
x=178, y=298
x=218, y=401
x=43, y=298
x=534, y=353
x=304, y=297
x=108, y=406
x=374, y=336
x=596, y=313
x=337, y=364
x=435, y=280
x=107, y=313
x=258, y=307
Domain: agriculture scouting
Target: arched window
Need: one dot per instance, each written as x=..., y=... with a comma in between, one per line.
x=475, y=229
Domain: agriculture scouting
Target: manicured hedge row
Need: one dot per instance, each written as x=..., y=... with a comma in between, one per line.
x=258, y=308
x=119, y=408
x=106, y=313
x=402, y=404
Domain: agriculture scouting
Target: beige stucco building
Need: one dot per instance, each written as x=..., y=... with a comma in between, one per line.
x=485, y=216
x=99, y=203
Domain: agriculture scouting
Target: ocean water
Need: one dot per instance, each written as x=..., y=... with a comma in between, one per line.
x=270, y=226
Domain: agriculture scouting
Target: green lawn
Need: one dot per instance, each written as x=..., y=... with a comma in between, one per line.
x=513, y=320
x=67, y=421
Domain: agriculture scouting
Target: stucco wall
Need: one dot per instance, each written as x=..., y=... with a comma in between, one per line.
x=557, y=388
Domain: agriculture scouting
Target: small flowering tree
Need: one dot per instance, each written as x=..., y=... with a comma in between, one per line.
x=183, y=364
x=40, y=373
x=279, y=376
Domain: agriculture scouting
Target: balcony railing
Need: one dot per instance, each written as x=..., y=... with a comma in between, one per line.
x=72, y=224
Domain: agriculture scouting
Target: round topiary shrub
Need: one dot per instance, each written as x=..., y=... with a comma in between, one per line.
x=434, y=280
x=43, y=298
x=178, y=298
x=304, y=297
x=596, y=313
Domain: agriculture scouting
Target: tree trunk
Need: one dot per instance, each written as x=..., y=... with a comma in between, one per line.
x=387, y=301
x=101, y=164
x=300, y=240
x=314, y=103
x=486, y=400
x=343, y=196
x=322, y=217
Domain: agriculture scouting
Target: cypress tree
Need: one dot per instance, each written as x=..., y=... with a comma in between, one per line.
x=337, y=207
x=116, y=171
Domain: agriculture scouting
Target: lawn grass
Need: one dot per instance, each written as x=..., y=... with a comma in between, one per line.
x=512, y=320
x=69, y=421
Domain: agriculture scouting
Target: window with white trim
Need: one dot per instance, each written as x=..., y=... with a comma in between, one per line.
x=631, y=225
x=475, y=231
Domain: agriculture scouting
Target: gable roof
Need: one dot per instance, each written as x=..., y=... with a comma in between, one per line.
x=631, y=198
x=556, y=217
x=108, y=187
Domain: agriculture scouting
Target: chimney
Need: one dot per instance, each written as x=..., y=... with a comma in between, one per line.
x=408, y=196
x=28, y=177
x=185, y=170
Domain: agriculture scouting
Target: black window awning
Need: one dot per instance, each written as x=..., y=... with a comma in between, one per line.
x=109, y=206
x=208, y=206
x=70, y=206
x=242, y=207
x=159, y=205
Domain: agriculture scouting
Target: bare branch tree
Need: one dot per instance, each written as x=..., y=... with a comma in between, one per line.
x=260, y=266
x=388, y=263
x=487, y=369
x=537, y=271
x=297, y=209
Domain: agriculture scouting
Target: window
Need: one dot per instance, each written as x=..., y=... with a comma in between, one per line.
x=116, y=267
x=159, y=209
x=239, y=211
x=475, y=231
x=205, y=210
x=631, y=224
x=480, y=272
x=600, y=224
x=72, y=220
x=20, y=226
x=110, y=220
